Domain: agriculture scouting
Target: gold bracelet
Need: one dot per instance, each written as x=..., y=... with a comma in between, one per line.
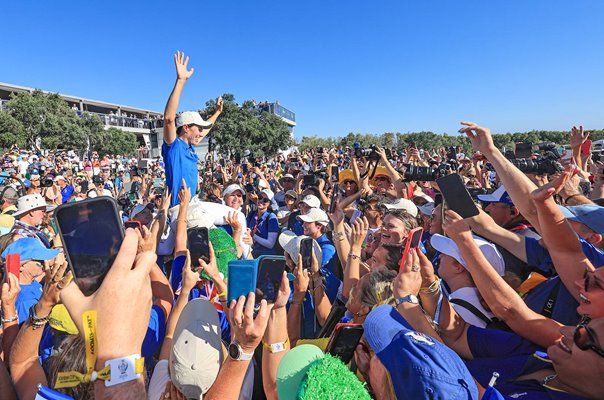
x=434, y=286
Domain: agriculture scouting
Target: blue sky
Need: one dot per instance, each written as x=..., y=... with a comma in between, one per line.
x=340, y=66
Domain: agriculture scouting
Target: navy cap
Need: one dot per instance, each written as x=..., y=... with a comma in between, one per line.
x=420, y=366
x=498, y=196
x=30, y=249
x=590, y=215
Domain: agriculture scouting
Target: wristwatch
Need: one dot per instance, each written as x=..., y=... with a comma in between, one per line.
x=236, y=352
x=410, y=298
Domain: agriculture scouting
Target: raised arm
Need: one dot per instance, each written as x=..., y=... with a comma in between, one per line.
x=516, y=183
x=559, y=237
x=180, y=241
x=484, y=226
x=352, y=272
x=503, y=301
x=182, y=74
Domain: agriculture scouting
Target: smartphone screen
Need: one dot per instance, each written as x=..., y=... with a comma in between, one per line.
x=344, y=341
x=133, y=224
x=92, y=233
x=335, y=173
x=198, y=244
x=457, y=196
x=306, y=252
x=412, y=242
x=13, y=264
x=270, y=274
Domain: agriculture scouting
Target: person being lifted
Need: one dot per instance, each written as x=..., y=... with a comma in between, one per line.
x=182, y=133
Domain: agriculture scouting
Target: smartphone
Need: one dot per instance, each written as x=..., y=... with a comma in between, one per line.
x=198, y=244
x=242, y=278
x=335, y=173
x=133, y=224
x=456, y=195
x=91, y=232
x=586, y=148
x=244, y=168
x=270, y=274
x=344, y=341
x=334, y=195
x=413, y=240
x=13, y=265
x=306, y=249
x=523, y=150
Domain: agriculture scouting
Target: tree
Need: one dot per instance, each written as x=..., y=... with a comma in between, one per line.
x=245, y=127
x=115, y=141
x=11, y=131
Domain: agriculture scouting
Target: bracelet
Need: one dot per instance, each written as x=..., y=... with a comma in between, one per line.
x=434, y=286
x=571, y=196
x=222, y=294
x=13, y=319
x=276, y=347
x=354, y=256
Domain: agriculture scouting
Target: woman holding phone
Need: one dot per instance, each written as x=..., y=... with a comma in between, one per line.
x=263, y=225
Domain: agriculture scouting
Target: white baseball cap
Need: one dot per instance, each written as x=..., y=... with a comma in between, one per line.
x=315, y=215
x=191, y=118
x=311, y=201
x=403, y=204
x=198, y=217
x=489, y=251
x=291, y=245
x=196, y=354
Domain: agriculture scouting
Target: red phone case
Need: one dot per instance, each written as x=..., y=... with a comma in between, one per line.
x=408, y=245
x=336, y=332
x=13, y=264
x=586, y=147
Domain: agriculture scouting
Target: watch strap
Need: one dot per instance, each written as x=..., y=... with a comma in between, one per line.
x=410, y=298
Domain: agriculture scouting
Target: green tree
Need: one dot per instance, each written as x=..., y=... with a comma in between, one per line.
x=244, y=127
x=115, y=141
x=11, y=131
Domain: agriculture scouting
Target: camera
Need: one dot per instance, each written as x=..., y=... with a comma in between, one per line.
x=47, y=181
x=370, y=153
x=418, y=173
x=546, y=164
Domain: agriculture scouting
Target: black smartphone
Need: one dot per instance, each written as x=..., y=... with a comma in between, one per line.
x=306, y=252
x=523, y=150
x=335, y=173
x=198, y=244
x=92, y=233
x=334, y=195
x=344, y=341
x=456, y=195
x=270, y=274
x=133, y=224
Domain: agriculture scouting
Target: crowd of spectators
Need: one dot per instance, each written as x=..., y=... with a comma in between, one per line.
x=503, y=304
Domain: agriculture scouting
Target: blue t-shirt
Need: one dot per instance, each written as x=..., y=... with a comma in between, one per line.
x=565, y=306
x=66, y=193
x=262, y=226
x=29, y=295
x=181, y=162
x=154, y=336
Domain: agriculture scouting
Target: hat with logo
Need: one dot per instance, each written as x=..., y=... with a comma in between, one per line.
x=315, y=215
x=29, y=202
x=311, y=201
x=191, y=118
x=420, y=366
x=489, y=251
x=231, y=189
x=498, y=196
x=403, y=204
x=30, y=248
x=268, y=193
x=590, y=215
x=196, y=354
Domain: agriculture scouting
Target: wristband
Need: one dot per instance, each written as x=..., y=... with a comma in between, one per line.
x=276, y=347
x=124, y=369
x=13, y=319
x=571, y=196
x=354, y=256
x=434, y=286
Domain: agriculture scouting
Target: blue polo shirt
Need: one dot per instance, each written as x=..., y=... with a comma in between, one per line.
x=565, y=305
x=181, y=162
x=262, y=226
x=29, y=295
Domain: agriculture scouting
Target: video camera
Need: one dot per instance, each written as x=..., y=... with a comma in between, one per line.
x=312, y=179
x=370, y=153
x=419, y=173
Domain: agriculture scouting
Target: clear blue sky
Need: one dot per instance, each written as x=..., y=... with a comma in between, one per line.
x=341, y=66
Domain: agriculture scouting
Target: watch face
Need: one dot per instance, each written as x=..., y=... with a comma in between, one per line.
x=233, y=351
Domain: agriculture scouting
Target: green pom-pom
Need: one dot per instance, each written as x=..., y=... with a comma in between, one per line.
x=225, y=250
x=328, y=378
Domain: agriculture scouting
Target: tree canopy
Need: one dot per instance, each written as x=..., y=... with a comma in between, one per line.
x=245, y=127
x=44, y=121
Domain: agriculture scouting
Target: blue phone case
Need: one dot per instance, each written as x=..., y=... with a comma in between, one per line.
x=242, y=278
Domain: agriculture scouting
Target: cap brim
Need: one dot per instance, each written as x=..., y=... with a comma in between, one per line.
x=445, y=246
x=20, y=213
x=292, y=369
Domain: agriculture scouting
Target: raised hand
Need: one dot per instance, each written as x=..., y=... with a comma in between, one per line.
x=479, y=136
x=211, y=268
x=219, y=104
x=577, y=136
x=181, y=66
x=409, y=279
x=359, y=233
x=189, y=277
x=302, y=280
x=246, y=330
x=233, y=220
x=283, y=293
x=554, y=186
x=184, y=194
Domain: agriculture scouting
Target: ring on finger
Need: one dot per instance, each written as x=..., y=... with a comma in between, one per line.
x=415, y=268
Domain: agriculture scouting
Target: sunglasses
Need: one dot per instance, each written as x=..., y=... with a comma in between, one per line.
x=264, y=200
x=584, y=338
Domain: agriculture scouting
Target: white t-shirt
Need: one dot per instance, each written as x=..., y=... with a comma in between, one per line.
x=472, y=296
x=159, y=380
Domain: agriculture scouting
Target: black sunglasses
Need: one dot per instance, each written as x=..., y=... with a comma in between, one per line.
x=264, y=200
x=584, y=338
x=587, y=280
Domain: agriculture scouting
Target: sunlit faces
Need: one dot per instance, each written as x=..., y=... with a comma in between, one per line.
x=312, y=229
x=193, y=134
x=500, y=212
x=234, y=200
x=393, y=230
x=378, y=258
